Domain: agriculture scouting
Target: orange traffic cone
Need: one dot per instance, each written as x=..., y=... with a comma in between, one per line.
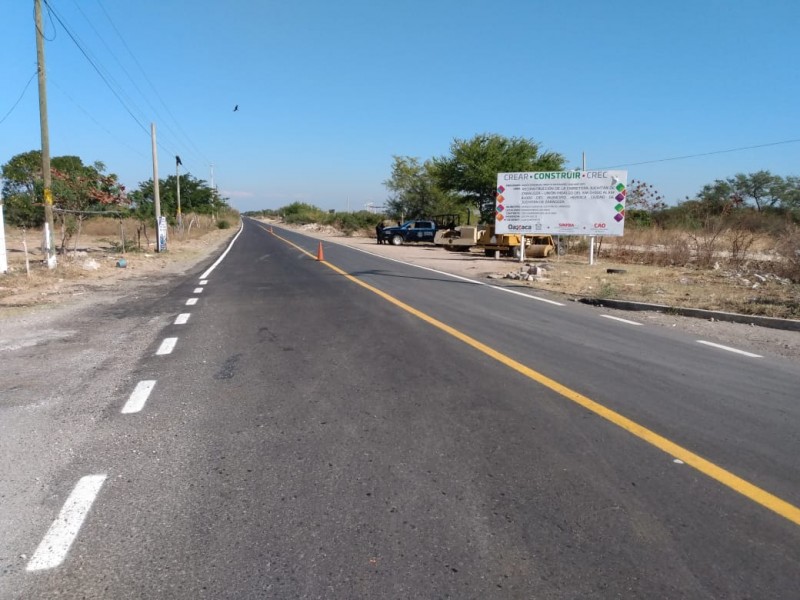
x=320, y=254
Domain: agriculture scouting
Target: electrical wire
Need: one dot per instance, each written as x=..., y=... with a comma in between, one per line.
x=152, y=87
x=96, y=67
x=110, y=51
x=95, y=121
x=25, y=89
x=659, y=160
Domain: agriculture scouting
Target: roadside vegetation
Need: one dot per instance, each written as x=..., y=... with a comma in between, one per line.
x=740, y=234
x=743, y=230
x=86, y=193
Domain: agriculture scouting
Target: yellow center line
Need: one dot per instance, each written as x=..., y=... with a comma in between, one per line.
x=723, y=476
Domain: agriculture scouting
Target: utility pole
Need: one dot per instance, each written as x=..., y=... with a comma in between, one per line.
x=178, y=163
x=46, y=176
x=161, y=243
x=591, y=237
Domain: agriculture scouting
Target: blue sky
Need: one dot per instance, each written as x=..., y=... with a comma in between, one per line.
x=328, y=91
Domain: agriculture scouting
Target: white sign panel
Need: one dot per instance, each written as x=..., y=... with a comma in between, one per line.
x=162, y=234
x=561, y=202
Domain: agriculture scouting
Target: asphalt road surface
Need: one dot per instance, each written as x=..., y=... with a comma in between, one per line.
x=278, y=426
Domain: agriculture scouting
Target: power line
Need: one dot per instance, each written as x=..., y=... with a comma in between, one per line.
x=95, y=121
x=649, y=162
x=105, y=77
x=125, y=100
x=96, y=67
x=152, y=87
x=25, y=89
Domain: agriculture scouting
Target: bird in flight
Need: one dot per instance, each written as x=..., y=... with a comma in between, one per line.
x=236, y=108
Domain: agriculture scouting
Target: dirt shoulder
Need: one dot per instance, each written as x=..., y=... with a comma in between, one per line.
x=92, y=275
x=89, y=276
x=572, y=279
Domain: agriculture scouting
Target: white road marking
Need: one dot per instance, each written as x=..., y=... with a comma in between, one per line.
x=620, y=320
x=203, y=281
x=191, y=302
x=139, y=396
x=54, y=547
x=198, y=290
x=167, y=346
x=182, y=318
x=677, y=461
x=494, y=287
x=224, y=254
x=729, y=349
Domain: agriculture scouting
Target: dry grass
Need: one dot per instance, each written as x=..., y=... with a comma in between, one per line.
x=91, y=260
x=732, y=270
x=758, y=276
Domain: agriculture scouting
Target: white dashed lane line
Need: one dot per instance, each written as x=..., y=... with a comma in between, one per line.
x=620, y=320
x=203, y=281
x=182, y=318
x=191, y=302
x=729, y=349
x=54, y=547
x=198, y=290
x=167, y=346
x=139, y=396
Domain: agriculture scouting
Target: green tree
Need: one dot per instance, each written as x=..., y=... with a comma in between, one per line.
x=22, y=185
x=761, y=189
x=414, y=190
x=789, y=194
x=196, y=196
x=77, y=188
x=642, y=202
x=471, y=170
x=80, y=191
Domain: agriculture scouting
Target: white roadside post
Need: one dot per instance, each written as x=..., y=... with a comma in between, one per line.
x=3, y=259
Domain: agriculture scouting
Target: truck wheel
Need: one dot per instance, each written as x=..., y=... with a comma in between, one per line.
x=397, y=240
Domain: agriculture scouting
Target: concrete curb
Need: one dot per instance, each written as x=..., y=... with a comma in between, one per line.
x=788, y=324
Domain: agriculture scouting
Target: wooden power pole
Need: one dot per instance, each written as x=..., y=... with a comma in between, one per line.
x=48, y=192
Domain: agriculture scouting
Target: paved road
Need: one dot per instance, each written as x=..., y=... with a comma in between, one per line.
x=358, y=428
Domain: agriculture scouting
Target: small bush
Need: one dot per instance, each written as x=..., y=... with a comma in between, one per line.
x=223, y=224
x=788, y=248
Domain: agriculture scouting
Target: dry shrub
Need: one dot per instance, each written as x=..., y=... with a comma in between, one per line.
x=649, y=246
x=788, y=249
x=739, y=240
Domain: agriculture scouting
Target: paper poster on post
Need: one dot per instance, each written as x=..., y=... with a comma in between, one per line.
x=561, y=202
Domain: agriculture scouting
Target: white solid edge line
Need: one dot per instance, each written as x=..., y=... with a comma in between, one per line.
x=138, y=397
x=167, y=346
x=182, y=318
x=55, y=545
x=191, y=302
x=729, y=349
x=198, y=290
x=224, y=254
x=620, y=320
x=494, y=287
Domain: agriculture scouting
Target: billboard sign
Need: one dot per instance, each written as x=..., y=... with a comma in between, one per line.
x=561, y=202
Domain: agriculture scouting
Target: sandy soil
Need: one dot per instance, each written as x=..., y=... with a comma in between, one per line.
x=93, y=276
